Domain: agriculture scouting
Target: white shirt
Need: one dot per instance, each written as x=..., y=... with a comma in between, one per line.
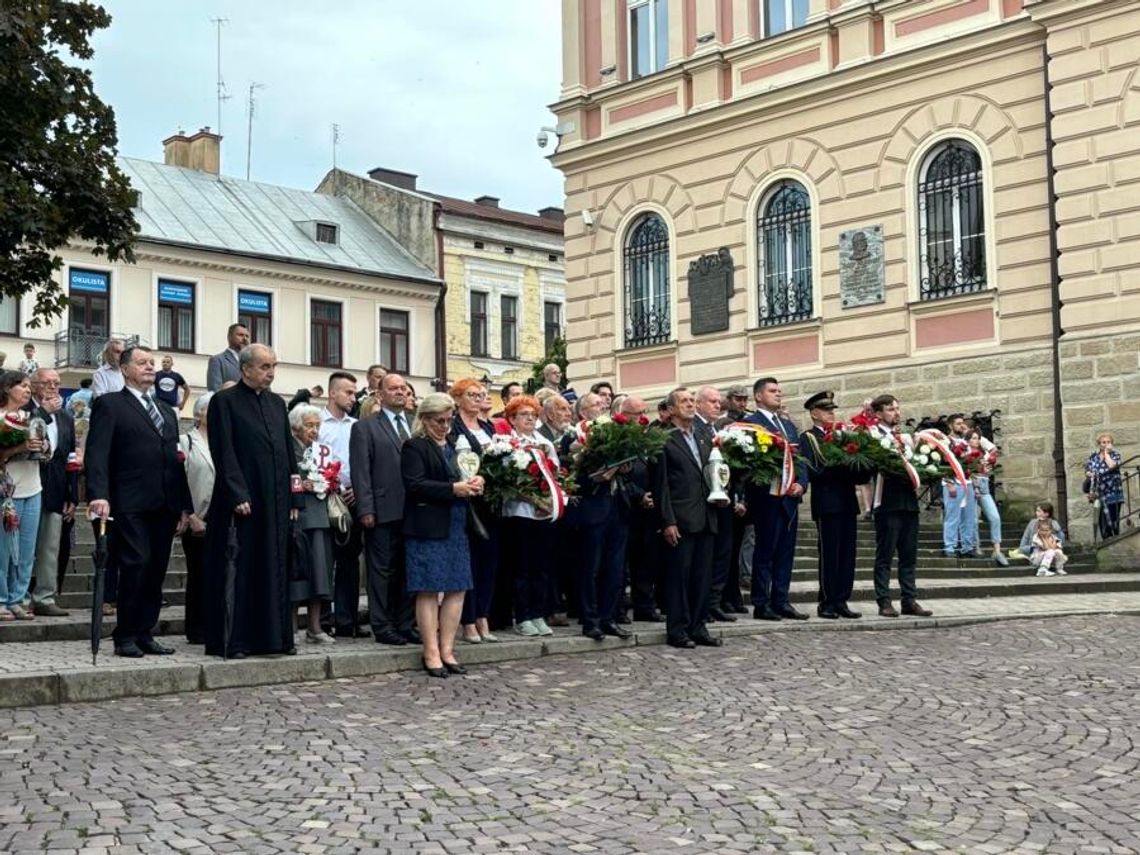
x=392, y=421
x=106, y=379
x=332, y=442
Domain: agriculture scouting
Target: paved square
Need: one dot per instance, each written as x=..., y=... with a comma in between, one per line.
x=1015, y=737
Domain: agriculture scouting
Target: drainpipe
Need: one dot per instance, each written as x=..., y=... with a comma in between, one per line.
x=1059, y=472
x=441, y=383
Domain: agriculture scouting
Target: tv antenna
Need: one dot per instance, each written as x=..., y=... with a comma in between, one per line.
x=222, y=96
x=249, y=129
x=335, y=140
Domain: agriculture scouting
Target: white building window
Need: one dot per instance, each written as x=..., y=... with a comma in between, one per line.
x=951, y=222
x=648, y=36
x=647, y=282
x=783, y=234
x=779, y=16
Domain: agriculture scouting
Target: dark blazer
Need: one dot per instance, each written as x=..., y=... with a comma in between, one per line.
x=428, y=495
x=679, y=489
x=459, y=429
x=759, y=498
x=129, y=462
x=832, y=487
x=222, y=368
x=374, y=456
x=60, y=486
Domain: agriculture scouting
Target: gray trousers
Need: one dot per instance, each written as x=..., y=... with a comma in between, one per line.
x=46, y=569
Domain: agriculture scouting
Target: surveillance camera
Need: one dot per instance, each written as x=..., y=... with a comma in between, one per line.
x=542, y=139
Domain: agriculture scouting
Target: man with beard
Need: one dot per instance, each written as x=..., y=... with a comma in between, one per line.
x=252, y=449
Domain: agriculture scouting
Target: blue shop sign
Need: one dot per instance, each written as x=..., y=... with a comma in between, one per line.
x=175, y=292
x=249, y=301
x=89, y=281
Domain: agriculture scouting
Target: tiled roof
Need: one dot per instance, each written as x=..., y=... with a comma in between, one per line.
x=500, y=215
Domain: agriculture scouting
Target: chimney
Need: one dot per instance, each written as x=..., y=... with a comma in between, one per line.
x=176, y=150
x=487, y=201
x=403, y=180
x=555, y=215
x=205, y=151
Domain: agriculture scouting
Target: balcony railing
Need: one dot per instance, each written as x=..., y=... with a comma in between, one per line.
x=77, y=349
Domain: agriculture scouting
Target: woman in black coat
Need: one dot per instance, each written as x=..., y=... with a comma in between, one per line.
x=437, y=554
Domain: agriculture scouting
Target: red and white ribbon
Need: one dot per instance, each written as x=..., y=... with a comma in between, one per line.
x=557, y=495
x=941, y=442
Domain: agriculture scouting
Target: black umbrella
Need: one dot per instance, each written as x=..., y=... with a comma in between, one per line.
x=99, y=557
x=228, y=593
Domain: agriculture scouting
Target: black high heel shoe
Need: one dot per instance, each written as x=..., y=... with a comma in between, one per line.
x=441, y=673
x=454, y=667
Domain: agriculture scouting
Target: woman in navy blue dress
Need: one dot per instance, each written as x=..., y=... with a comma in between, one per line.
x=1103, y=472
x=437, y=553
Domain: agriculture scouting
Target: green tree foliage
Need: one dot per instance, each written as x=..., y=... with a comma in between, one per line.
x=557, y=355
x=58, y=177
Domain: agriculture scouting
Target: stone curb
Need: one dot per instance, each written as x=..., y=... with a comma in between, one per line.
x=170, y=677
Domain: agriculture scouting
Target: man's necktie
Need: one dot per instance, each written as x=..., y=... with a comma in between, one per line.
x=401, y=430
x=152, y=411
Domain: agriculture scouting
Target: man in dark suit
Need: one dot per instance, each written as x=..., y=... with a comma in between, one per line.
x=688, y=525
x=57, y=502
x=835, y=511
x=374, y=451
x=133, y=472
x=223, y=367
x=896, y=522
x=775, y=517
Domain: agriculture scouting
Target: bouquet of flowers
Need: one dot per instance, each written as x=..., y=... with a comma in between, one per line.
x=976, y=461
x=13, y=428
x=855, y=448
x=325, y=479
x=761, y=457
x=516, y=470
x=608, y=442
x=927, y=457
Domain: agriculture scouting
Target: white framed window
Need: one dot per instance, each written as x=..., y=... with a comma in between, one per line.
x=779, y=16
x=951, y=221
x=648, y=33
x=784, y=255
x=647, y=314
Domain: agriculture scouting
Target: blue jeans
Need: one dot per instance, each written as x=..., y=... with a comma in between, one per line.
x=18, y=552
x=959, y=522
x=989, y=508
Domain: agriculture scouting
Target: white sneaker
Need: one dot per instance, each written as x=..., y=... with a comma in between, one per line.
x=526, y=628
x=542, y=627
x=318, y=638
x=1061, y=571
x=1044, y=571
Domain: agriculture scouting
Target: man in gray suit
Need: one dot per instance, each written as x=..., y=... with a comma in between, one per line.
x=223, y=366
x=374, y=453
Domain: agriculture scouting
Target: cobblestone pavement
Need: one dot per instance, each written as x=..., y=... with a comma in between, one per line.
x=1015, y=737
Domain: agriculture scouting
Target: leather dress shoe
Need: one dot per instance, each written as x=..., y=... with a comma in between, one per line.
x=411, y=636
x=392, y=637
x=594, y=633
x=557, y=620
x=915, y=608
x=681, y=643
x=721, y=616
x=649, y=617
x=49, y=610
x=149, y=645
x=766, y=613
x=888, y=610
x=623, y=617
x=706, y=640
x=791, y=613
x=827, y=612
x=454, y=668
x=736, y=609
x=846, y=612
x=129, y=650
x=616, y=631
x=439, y=673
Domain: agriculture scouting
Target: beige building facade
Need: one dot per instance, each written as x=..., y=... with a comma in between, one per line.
x=312, y=276
x=812, y=139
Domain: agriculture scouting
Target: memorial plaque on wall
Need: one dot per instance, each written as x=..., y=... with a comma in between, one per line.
x=862, y=268
x=710, y=289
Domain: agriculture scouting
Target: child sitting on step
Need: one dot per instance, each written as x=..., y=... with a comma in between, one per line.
x=1043, y=541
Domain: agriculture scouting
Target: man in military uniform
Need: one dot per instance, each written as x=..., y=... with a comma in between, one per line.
x=835, y=509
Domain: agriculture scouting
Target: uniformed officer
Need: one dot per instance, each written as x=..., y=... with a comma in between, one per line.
x=835, y=509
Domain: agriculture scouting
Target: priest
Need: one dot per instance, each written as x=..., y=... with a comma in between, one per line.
x=251, y=446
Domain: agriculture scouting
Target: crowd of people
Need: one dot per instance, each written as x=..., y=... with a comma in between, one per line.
x=278, y=507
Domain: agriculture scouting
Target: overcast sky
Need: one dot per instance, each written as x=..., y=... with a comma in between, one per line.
x=451, y=90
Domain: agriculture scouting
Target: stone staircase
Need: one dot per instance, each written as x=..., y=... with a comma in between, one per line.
x=939, y=578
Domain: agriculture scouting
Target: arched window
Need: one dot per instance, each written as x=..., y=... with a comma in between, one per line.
x=783, y=236
x=951, y=222
x=647, y=282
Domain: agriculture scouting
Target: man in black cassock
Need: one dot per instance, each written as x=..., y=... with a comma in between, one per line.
x=251, y=446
